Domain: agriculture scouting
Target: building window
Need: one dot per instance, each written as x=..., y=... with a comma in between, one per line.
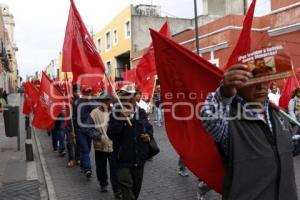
x=108, y=68
x=119, y=71
x=99, y=45
x=115, y=39
x=108, y=40
x=127, y=30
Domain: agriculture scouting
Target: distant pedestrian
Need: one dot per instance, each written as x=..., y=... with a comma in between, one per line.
x=131, y=143
x=141, y=103
x=158, y=107
x=274, y=94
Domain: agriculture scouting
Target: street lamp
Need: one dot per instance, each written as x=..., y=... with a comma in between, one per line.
x=196, y=28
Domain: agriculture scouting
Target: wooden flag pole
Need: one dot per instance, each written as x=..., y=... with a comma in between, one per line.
x=117, y=97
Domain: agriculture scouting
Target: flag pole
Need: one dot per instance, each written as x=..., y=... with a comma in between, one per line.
x=152, y=94
x=117, y=97
x=196, y=28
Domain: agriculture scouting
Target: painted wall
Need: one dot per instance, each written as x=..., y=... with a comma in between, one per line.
x=123, y=44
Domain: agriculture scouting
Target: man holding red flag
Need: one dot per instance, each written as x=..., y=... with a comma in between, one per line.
x=254, y=139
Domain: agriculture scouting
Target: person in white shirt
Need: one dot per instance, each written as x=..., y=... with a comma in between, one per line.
x=274, y=94
x=141, y=103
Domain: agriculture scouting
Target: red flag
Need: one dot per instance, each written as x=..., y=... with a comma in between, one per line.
x=146, y=68
x=108, y=87
x=80, y=55
x=243, y=45
x=130, y=75
x=187, y=78
x=31, y=96
x=147, y=88
x=49, y=104
x=290, y=85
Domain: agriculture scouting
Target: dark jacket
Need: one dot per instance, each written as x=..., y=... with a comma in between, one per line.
x=260, y=163
x=83, y=110
x=129, y=149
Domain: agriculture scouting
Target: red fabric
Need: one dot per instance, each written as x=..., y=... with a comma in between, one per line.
x=147, y=88
x=108, y=87
x=189, y=84
x=243, y=45
x=49, y=95
x=130, y=75
x=146, y=67
x=31, y=96
x=289, y=87
x=80, y=55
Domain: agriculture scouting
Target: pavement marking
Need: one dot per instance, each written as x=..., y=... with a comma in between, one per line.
x=48, y=179
x=31, y=172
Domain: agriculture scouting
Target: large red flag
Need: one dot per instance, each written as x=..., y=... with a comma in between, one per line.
x=146, y=68
x=49, y=105
x=289, y=87
x=243, y=45
x=189, y=79
x=31, y=96
x=80, y=55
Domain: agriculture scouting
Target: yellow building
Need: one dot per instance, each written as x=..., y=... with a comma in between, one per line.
x=128, y=33
x=114, y=43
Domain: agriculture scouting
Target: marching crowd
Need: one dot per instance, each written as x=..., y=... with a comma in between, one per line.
x=121, y=137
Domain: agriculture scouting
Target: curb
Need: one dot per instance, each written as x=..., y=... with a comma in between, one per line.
x=49, y=183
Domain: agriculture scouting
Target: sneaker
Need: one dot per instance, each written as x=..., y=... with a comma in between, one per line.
x=104, y=189
x=88, y=174
x=71, y=163
x=183, y=173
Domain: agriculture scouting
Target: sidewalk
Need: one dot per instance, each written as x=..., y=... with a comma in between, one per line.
x=18, y=178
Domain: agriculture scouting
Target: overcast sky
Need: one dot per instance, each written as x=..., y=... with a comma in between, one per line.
x=40, y=24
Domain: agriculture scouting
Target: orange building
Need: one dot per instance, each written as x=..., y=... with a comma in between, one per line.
x=218, y=38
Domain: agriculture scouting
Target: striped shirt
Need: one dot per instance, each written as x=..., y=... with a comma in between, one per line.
x=215, y=115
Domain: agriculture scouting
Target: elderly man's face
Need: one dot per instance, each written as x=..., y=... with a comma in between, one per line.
x=255, y=93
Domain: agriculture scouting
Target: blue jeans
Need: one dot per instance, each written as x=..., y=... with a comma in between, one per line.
x=54, y=140
x=158, y=115
x=61, y=139
x=85, y=148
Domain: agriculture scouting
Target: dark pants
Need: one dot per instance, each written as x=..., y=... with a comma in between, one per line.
x=101, y=159
x=73, y=147
x=61, y=139
x=130, y=180
x=54, y=140
x=85, y=148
